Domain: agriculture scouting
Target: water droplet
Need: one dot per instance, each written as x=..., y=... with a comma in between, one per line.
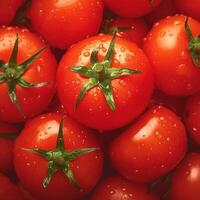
x=162, y=34
x=177, y=22
x=122, y=49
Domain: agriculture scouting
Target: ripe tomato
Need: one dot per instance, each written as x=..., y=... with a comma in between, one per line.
x=9, y=191
x=131, y=8
x=131, y=29
x=117, y=94
x=151, y=147
x=56, y=171
x=187, y=8
x=165, y=8
x=31, y=84
x=186, y=179
x=167, y=48
x=8, y=10
x=63, y=22
x=116, y=188
x=7, y=131
x=192, y=117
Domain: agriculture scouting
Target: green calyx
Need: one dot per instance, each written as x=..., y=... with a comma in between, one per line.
x=12, y=73
x=193, y=45
x=59, y=158
x=101, y=74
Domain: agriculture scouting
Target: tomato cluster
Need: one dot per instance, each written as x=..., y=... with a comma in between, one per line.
x=99, y=100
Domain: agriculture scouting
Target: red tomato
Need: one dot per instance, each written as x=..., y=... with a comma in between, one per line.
x=186, y=179
x=41, y=133
x=187, y=8
x=131, y=8
x=151, y=147
x=9, y=191
x=138, y=29
x=131, y=93
x=6, y=146
x=192, y=117
x=116, y=188
x=166, y=8
x=8, y=10
x=167, y=48
x=63, y=22
x=33, y=100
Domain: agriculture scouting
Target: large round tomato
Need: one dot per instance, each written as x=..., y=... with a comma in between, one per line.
x=8, y=10
x=167, y=48
x=187, y=8
x=27, y=80
x=9, y=191
x=116, y=188
x=186, y=179
x=192, y=117
x=114, y=97
x=71, y=165
x=151, y=147
x=131, y=8
x=63, y=22
x=7, y=135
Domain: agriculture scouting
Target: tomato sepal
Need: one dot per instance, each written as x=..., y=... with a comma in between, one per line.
x=59, y=158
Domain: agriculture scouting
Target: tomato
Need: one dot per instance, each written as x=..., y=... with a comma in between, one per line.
x=151, y=147
x=192, y=117
x=8, y=9
x=167, y=48
x=61, y=171
x=131, y=8
x=63, y=22
x=186, y=179
x=120, y=82
x=7, y=135
x=26, y=88
x=187, y=8
x=176, y=104
x=9, y=191
x=166, y=8
x=116, y=188
x=131, y=29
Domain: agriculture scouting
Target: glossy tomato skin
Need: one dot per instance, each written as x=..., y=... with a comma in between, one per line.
x=9, y=191
x=186, y=179
x=6, y=146
x=151, y=147
x=8, y=10
x=131, y=93
x=165, y=8
x=131, y=8
x=187, y=8
x=41, y=132
x=63, y=23
x=192, y=117
x=138, y=29
x=166, y=48
x=32, y=100
x=116, y=188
